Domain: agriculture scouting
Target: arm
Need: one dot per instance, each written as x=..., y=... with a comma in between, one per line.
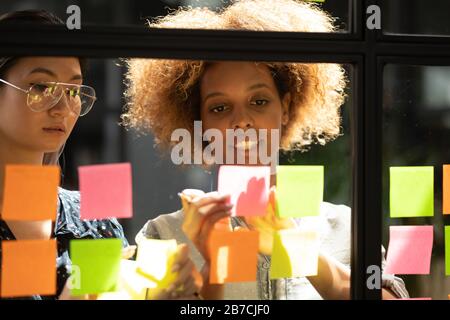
x=333, y=280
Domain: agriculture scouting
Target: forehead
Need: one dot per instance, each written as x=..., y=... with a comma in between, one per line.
x=61, y=66
x=224, y=73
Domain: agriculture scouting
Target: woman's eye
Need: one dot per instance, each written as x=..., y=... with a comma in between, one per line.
x=219, y=109
x=73, y=92
x=259, y=102
x=40, y=87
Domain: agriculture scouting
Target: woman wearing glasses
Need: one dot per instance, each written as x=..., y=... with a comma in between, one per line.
x=41, y=99
x=300, y=101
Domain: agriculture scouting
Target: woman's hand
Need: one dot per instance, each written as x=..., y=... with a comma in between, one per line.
x=66, y=294
x=188, y=282
x=201, y=212
x=268, y=224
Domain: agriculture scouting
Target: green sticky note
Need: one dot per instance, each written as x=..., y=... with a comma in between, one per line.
x=295, y=254
x=299, y=190
x=95, y=265
x=447, y=250
x=411, y=192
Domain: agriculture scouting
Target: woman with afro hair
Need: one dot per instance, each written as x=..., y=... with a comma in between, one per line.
x=301, y=101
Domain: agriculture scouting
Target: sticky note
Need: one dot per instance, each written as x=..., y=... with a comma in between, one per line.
x=28, y=268
x=411, y=192
x=295, y=253
x=31, y=193
x=95, y=265
x=248, y=187
x=447, y=250
x=234, y=256
x=299, y=190
x=133, y=283
x=106, y=191
x=155, y=260
x=446, y=189
x=409, y=250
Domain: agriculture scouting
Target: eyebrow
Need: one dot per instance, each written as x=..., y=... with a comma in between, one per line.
x=252, y=87
x=52, y=74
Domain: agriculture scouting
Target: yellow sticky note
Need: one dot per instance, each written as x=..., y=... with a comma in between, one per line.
x=155, y=260
x=295, y=254
x=133, y=283
x=411, y=192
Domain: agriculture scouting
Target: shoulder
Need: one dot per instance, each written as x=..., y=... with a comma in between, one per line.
x=335, y=214
x=164, y=225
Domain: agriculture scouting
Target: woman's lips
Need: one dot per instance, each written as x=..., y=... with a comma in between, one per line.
x=55, y=130
x=246, y=145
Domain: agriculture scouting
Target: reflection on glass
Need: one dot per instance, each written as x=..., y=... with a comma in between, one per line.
x=416, y=17
x=246, y=95
x=138, y=12
x=416, y=124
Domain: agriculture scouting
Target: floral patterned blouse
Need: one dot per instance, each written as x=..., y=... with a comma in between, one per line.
x=69, y=226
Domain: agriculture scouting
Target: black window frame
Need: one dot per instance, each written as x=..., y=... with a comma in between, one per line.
x=366, y=50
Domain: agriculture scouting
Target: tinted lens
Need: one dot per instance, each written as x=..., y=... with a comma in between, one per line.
x=43, y=96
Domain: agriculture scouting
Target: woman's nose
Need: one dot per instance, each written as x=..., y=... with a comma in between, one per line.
x=62, y=108
x=242, y=120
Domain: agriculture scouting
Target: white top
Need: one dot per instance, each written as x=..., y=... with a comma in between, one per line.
x=334, y=228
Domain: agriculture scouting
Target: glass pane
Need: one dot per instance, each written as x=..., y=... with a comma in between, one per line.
x=137, y=12
x=162, y=179
x=416, y=110
x=416, y=17
x=302, y=102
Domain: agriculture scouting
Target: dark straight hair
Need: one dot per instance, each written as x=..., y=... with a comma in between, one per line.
x=32, y=18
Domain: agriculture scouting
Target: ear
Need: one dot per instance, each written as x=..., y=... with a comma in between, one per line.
x=285, y=104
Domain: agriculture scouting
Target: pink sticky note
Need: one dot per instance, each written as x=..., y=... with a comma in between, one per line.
x=409, y=250
x=248, y=187
x=106, y=191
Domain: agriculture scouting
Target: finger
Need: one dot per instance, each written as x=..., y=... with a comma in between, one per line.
x=212, y=218
x=192, y=193
x=181, y=257
x=209, y=223
x=208, y=210
x=195, y=212
x=189, y=288
x=128, y=252
x=209, y=198
x=164, y=294
x=184, y=274
x=194, y=221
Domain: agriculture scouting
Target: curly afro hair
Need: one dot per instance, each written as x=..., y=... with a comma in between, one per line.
x=163, y=95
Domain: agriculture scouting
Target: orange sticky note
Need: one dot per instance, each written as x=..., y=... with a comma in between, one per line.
x=28, y=268
x=234, y=256
x=446, y=189
x=106, y=191
x=31, y=193
x=248, y=187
